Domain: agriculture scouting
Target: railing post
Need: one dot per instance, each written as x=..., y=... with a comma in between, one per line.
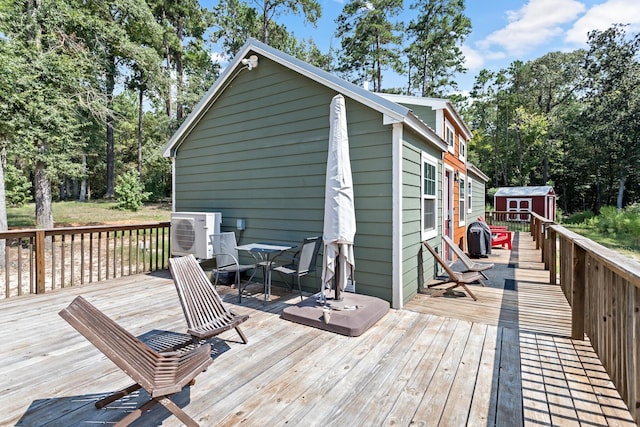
x=40, y=288
x=578, y=292
x=553, y=257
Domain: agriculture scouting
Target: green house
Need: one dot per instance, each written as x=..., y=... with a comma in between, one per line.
x=255, y=149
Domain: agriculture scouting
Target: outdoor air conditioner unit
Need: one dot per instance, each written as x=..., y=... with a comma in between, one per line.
x=190, y=233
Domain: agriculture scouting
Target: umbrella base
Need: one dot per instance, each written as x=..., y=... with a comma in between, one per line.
x=352, y=316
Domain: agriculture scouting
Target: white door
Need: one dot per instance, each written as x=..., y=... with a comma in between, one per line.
x=518, y=205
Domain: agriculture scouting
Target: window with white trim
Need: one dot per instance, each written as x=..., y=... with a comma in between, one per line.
x=449, y=135
x=429, y=207
x=462, y=183
x=469, y=195
x=462, y=149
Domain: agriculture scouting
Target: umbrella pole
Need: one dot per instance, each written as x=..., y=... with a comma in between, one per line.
x=337, y=296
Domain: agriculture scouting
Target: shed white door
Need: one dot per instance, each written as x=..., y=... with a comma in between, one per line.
x=518, y=205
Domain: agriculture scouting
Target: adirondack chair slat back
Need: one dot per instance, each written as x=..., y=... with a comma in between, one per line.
x=200, y=301
x=440, y=261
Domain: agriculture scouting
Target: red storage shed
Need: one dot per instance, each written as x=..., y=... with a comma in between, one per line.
x=541, y=200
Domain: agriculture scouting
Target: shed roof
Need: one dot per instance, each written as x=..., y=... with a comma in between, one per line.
x=526, y=191
x=393, y=112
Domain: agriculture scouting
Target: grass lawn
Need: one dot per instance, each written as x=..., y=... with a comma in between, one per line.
x=67, y=214
x=621, y=243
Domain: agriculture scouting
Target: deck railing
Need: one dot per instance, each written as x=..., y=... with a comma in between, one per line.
x=37, y=261
x=603, y=289
x=514, y=221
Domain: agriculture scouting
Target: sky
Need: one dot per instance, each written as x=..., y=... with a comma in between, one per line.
x=502, y=30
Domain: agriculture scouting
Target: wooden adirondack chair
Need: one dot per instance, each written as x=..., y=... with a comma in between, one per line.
x=204, y=311
x=455, y=277
x=468, y=263
x=160, y=373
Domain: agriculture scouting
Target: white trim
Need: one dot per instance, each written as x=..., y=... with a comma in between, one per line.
x=449, y=127
x=462, y=213
x=462, y=154
x=518, y=208
x=469, y=194
x=397, y=296
x=430, y=234
x=173, y=184
x=438, y=104
x=450, y=198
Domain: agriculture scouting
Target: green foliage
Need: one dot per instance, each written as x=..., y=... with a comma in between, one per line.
x=434, y=55
x=615, y=222
x=370, y=40
x=130, y=192
x=578, y=218
x=17, y=186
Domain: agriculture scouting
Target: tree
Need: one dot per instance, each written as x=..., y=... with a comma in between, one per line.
x=118, y=36
x=236, y=21
x=270, y=9
x=434, y=51
x=184, y=24
x=369, y=40
x=611, y=84
x=51, y=69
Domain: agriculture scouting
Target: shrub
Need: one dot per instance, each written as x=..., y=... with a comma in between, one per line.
x=578, y=218
x=17, y=187
x=130, y=192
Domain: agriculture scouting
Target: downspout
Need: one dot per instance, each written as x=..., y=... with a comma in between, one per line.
x=397, y=243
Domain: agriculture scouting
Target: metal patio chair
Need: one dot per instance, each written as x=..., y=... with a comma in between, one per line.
x=303, y=262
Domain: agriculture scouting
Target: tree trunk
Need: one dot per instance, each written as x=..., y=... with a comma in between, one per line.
x=83, y=183
x=140, y=101
x=67, y=188
x=111, y=82
x=623, y=180
x=3, y=208
x=179, y=72
x=265, y=23
x=167, y=58
x=44, y=211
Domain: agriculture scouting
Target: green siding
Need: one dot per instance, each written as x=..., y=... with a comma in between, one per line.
x=416, y=268
x=425, y=113
x=260, y=154
x=478, y=199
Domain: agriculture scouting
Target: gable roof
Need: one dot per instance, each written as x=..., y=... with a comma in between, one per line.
x=542, y=190
x=434, y=103
x=471, y=168
x=392, y=112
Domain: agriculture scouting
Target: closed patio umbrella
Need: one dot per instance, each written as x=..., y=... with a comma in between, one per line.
x=339, y=212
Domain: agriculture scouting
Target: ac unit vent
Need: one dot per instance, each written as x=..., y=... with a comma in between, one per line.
x=191, y=231
x=185, y=234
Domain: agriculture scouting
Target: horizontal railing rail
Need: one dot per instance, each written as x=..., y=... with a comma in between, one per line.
x=40, y=260
x=514, y=221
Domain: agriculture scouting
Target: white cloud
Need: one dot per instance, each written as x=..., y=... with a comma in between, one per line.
x=602, y=16
x=473, y=60
x=533, y=25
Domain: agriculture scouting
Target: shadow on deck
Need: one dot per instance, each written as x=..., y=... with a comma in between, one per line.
x=502, y=360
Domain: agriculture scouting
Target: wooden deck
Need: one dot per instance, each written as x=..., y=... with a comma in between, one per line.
x=502, y=360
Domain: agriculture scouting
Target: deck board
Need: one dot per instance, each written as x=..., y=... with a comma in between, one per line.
x=505, y=359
